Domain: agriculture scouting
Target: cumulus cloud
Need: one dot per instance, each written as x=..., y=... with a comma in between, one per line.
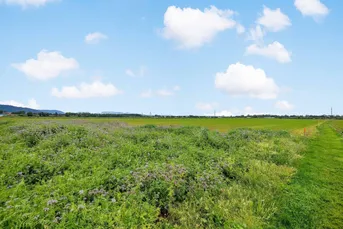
x=206, y=106
x=284, y=105
x=274, y=51
x=274, y=20
x=48, y=65
x=95, y=38
x=84, y=90
x=192, y=28
x=224, y=113
x=27, y=3
x=234, y=112
x=245, y=80
x=32, y=103
x=314, y=8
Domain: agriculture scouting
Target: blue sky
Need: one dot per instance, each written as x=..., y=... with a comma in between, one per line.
x=173, y=57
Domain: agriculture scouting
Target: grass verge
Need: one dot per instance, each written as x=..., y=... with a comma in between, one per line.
x=314, y=198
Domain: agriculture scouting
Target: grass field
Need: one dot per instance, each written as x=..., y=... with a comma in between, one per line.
x=219, y=124
x=338, y=125
x=101, y=173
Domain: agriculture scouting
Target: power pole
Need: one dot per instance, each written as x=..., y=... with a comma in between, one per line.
x=331, y=111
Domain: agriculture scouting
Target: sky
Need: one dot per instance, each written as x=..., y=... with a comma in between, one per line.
x=173, y=57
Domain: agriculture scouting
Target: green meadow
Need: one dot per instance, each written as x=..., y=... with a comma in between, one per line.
x=170, y=173
x=216, y=124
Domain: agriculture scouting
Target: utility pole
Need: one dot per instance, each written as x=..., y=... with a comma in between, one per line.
x=331, y=111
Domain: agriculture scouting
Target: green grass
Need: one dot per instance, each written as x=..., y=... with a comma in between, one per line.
x=101, y=173
x=314, y=198
x=219, y=124
x=337, y=125
x=62, y=174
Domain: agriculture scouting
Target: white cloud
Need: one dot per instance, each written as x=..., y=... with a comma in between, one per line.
x=206, y=106
x=192, y=28
x=176, y=88
x=95, y=38
x=245, y=80
x=48, y=65
x=164, y=92
x=32, y=103
x=27, y=3
x=140, y=73
x=84, y=90
x=147, y=94
x=274, y=51
x=314, y=8
x=235, y=112
x=224, y=113
x=274, y=20
x=284, y=105
x=257, y=34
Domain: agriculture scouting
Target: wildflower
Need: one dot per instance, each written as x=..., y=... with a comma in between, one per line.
x=113, y=200
x=46, y=209
x=51, y=202
x=57, y=219
x=81, y=192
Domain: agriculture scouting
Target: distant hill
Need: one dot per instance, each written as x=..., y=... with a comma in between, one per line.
x=9, y=108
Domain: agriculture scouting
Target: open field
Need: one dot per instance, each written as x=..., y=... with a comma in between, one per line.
x=87, y=175
x=219, y=124
x=338, y=125
x=101, y=173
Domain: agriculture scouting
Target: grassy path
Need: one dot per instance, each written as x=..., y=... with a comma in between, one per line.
x=314, y=199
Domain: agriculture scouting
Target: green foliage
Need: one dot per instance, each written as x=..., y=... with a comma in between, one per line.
x=106, y=175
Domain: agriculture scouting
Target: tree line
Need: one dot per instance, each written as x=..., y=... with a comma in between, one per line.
x=133, y=115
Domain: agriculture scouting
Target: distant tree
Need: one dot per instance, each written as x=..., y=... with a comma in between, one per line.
x=1, y=111
x=21, y=113
x=29, y=114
